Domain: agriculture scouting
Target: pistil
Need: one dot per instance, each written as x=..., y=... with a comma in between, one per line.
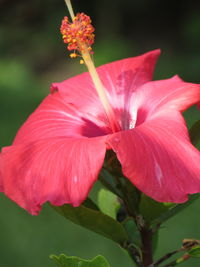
x=69, y=6
x=79, y=37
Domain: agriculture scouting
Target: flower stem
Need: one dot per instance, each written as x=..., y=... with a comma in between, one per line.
x=146, y=238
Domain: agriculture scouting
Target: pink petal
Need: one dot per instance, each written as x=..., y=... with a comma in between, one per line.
x=73, y=109
x=158, y=158
x=1, y=177
x=59, y=170
x=120, y=79
x=56, y=117
x=156, y=96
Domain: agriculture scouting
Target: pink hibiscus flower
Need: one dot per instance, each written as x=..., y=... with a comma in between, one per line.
x=59, y=151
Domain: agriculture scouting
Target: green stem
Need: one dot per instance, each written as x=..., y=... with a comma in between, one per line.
x=187, y=244
x=180, y=260
x=165, y=257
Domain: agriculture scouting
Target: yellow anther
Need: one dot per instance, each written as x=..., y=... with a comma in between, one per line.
x=82, y=61
x=73, y=55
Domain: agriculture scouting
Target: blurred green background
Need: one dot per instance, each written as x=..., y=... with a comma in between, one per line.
x=32, y=56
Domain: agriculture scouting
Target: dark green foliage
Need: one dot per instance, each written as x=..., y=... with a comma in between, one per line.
x=65, y=261
x=95, y=221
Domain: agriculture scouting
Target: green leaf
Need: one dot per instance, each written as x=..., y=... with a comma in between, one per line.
x=195, y=133
x=132, y=231
x=195, y=252
x=151, y=209
x=90, y=204
x=174, y=209
x=95, y=221
x=156, y=212
x=108, y=203
x=109, y=182
x=65, y=261
x=121, y=187
x=132, y=195
x=155, y=240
